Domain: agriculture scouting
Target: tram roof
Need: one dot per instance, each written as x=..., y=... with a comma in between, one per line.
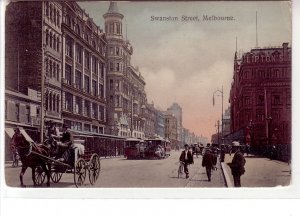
x=91, y=134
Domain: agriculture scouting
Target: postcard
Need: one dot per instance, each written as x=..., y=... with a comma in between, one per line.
x=141, y=95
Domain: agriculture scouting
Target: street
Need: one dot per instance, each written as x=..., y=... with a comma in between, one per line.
x=120, y=172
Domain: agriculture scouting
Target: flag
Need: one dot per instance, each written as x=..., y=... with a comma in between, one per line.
x=213, y=100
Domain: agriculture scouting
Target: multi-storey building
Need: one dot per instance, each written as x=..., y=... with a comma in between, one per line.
x=171, y=129
x=33, y=50
x=83, y=71
x=150, y=119
x=60, y=43
x=21, y=110
x=159, y=123
x=260, y=96
x=125, y=84
x=176, y=110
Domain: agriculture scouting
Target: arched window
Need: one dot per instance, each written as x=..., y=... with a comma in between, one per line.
x=94, y=44
x=77, y=29
x=68, y=20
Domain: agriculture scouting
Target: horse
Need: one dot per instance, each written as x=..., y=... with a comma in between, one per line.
x=28, y=158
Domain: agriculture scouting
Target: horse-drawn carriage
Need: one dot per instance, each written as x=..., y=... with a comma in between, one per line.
x=45, y=161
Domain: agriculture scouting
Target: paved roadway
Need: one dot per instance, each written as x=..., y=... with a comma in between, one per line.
x=120, y=172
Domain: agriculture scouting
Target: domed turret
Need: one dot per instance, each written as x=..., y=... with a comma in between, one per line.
x=113, y=20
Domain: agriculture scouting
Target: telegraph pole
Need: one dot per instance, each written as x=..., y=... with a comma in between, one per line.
x=42, y=80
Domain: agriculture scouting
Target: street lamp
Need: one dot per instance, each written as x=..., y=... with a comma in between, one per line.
x=222, y=94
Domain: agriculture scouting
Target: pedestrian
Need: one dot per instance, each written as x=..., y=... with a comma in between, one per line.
x=207, y=162
x=222, y=155
x=187, y=158
x=237, y=166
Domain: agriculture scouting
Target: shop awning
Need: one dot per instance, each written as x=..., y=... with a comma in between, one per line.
x=10, y=132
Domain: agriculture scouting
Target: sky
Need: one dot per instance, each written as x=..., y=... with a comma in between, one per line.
x=186, y=62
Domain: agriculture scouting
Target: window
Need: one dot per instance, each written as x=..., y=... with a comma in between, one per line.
x=50, y=102
x=78, y=53
x=50, y=69
x=117, y=85
x=94, y=65
x=111, y=84
x=101, y=70
x=94, y=87
x=118, y=28
x=117, y=51
x=57, y=72
x=118, y=66
x=260, y=100
x=57, y=18
x=276, y=99
x=69, y=102
x=94, y=111
x=78, y=105
x=68, y=74
x=51, y=39
x=78, y=79
x=87, y=60
x=57, y=103
x=69, y=47
x=260, y=116
x=87, y=84
x=95, y=129
x=77, y=29
x=111, y=66
x=117, y=101
x=57, y=44
x=68, y=20
x=54, y=42
x=54, y=102
x=101, y=91
x=47, y=37
x=86, y=108
x=87, y=127
x=27, y=114
x=101, y=112
x=111, y=28
x=247, y=100
x=111, y=50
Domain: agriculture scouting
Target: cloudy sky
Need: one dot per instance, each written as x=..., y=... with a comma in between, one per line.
x=187, y=61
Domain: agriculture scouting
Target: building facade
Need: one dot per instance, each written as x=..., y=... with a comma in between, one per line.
x=159, y=123
x=260, y=96
x=171, y=129
x=176, y=110
x=125, y=85
x=83, y=73
x=59, y=43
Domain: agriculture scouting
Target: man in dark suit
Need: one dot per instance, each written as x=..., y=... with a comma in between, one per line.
x=208, y=163
x=187, y=158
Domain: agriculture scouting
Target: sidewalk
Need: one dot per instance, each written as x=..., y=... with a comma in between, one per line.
x=260, y=172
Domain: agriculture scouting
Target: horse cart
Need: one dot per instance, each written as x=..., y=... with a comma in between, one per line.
x=45, y=161
x=80, y=164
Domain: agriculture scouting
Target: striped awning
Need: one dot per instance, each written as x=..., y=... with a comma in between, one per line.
x=10, y=132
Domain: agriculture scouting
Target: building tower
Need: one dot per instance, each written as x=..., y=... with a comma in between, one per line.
x=125, y=84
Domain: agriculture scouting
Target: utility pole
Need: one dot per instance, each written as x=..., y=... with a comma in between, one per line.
x=42, y=80
x=222, y=95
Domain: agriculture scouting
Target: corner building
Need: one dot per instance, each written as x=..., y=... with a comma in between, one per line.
x=260, y=98
x=125, y=85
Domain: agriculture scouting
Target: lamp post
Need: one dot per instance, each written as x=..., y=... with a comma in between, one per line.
x=222, y=94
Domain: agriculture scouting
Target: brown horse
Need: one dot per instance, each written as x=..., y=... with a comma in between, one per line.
x=28, y=158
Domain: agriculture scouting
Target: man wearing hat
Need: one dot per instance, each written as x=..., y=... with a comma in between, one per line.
x=237, y=165
x=53, y=132
x=66, y=142
x=187, y=158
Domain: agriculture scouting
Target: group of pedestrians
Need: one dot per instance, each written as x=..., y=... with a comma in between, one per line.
x=209, y=161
